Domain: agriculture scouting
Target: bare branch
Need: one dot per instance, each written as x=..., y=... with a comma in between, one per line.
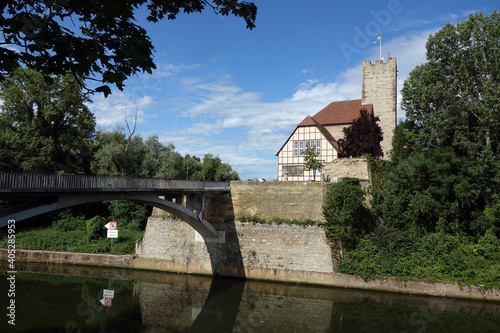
x=130, y=132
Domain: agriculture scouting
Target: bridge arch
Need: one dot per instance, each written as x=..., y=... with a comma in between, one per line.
x=26, y=211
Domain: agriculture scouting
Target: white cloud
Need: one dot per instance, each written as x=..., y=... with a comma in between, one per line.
x=111, y=111
x=168, y=69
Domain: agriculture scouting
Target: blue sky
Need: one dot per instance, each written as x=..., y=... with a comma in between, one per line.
x=223, y=89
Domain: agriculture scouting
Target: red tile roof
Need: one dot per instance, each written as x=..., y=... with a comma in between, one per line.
x=337, y=113
x=308, y=121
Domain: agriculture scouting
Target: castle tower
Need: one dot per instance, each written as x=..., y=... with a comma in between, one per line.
x=379, y=88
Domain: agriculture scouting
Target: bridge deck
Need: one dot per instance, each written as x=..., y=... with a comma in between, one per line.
x=12, y=182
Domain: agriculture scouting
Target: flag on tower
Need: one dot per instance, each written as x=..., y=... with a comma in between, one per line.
x=380, y=46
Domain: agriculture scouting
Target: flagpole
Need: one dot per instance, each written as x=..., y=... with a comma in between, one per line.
x=380, y=46
x=379, y=38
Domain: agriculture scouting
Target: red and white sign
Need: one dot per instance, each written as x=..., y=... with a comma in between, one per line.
x=112, y=226
x=201, y=216
x=106, y=301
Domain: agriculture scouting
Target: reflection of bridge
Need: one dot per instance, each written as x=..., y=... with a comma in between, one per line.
x=49, y=192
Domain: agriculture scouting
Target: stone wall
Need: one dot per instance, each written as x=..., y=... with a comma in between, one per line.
x=247, y=249
x=93, y=259
x=289, y=200
x=348, y=167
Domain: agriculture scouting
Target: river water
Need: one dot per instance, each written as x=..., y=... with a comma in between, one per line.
x=66, y=298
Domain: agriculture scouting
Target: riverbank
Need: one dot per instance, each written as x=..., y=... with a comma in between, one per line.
x=450, y=290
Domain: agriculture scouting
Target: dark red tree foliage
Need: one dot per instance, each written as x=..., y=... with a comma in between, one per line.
x=363, y=136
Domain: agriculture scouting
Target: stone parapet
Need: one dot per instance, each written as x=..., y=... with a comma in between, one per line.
x=287, y=200
x=347, y=167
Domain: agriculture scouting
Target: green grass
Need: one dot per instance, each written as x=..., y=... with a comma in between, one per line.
x=55, y=239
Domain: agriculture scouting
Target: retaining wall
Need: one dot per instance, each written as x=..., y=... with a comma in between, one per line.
x=247, y=248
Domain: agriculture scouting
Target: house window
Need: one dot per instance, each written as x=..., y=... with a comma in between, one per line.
x=299, y=146
x=293, y=170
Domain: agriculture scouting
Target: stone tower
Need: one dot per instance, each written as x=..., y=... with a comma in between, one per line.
x=380, y=89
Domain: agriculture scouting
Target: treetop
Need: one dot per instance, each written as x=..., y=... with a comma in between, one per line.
x=92, y=39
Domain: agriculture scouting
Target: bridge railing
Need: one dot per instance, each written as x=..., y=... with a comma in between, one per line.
x=32, y=181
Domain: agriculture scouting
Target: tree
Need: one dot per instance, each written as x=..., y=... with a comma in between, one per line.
x=213, y=169
x=45, y=125
x=226, y=173
x=363, y=136
x=311, y=160
x=403, y=141
x=191, y=165
x=453, y=98
x=93, y=39
x=453, y=128
x=160, y=160
x=118, y=154
x=110, y=157
x=344, y=211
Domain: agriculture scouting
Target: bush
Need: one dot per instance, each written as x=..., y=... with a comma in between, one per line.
x=68, y=223
x=346, y=216
x=346, y=266
x=391, y=252
x=96, y=228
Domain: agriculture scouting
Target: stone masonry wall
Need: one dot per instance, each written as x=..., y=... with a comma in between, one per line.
x=248, y=247
x=289, y=200
x=347, y=167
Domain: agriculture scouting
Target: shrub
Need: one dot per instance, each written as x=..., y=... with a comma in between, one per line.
x=346, y=216
x=95, y=227
x=68, y=223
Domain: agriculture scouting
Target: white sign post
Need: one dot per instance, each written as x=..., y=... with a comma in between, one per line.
x=112, y=231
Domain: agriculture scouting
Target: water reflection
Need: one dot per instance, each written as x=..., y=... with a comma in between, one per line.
x=62, y=298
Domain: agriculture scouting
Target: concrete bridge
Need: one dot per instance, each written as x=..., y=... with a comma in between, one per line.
x=48, y=192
